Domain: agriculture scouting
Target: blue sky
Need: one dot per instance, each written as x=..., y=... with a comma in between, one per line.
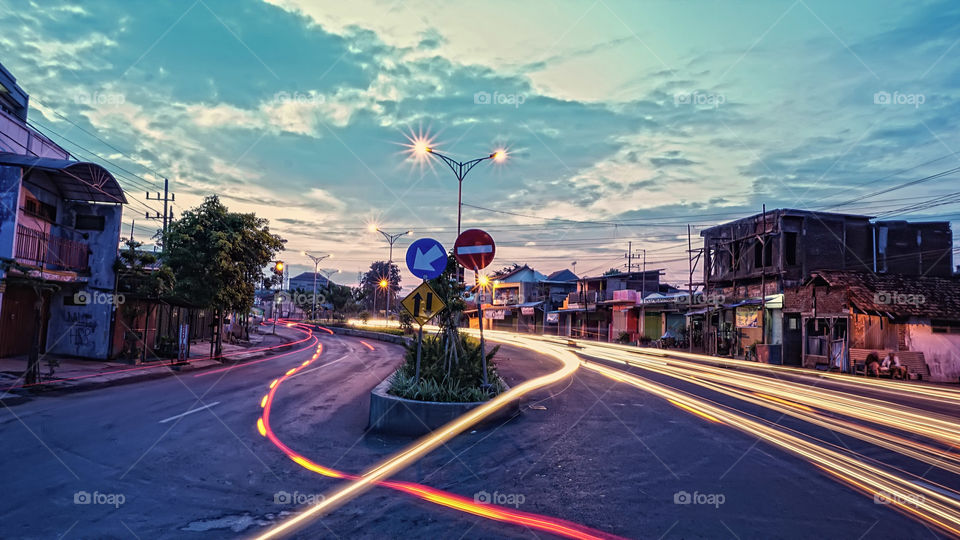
x=625, y=121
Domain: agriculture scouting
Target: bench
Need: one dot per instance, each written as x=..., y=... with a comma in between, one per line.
x=912, y=360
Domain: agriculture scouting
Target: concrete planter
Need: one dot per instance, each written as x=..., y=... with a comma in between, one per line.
x=399, y=416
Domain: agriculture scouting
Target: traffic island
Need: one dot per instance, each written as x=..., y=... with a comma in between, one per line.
x=395, y=415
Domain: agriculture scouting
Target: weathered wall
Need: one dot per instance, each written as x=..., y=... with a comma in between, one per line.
x=78, y=330
x=940, y=351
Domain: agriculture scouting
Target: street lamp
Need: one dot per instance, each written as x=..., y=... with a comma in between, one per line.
x=316, y=262
x=383, y=285
x=421, y=148
x=327, y=273
x=391, y=239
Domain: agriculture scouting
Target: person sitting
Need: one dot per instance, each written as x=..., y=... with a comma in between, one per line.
x=891, y=363
x=873, y=365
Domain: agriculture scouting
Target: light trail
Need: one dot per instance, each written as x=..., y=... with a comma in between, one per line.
x=425, y=445
x=929, y=392
x=934, y=506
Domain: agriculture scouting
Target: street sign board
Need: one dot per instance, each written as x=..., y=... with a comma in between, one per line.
x=423, y=303
x=426, y=258
x=474, y=249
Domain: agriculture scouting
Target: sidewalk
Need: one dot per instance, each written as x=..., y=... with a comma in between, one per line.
x=75, y=374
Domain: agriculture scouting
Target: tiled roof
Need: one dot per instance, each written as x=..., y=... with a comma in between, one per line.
x=898, y=295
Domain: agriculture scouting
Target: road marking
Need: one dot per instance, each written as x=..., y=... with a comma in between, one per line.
x=181, y=415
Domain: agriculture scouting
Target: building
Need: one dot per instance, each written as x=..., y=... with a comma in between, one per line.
x=603, y=307
x=59, y=232
x=749, y=263
x=516, y=301
x=305, y=282
x=845, y=315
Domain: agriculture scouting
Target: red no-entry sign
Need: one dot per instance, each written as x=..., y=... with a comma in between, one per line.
x=474, y=249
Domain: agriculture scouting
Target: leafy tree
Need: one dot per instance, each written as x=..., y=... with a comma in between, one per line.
x=370, y=284
x=218, y=257
x=612, y=272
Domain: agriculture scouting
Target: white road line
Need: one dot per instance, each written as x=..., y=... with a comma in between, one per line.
x=181, y=415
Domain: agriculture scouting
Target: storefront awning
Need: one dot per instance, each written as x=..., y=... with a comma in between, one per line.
x=76, y=180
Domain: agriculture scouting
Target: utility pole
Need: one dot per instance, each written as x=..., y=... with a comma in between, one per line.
x=763, y=279
x=690, y=291
x=643, y=294
x=629, y=257
x=167, y=198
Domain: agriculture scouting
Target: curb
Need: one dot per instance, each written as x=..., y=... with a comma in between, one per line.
x=378, y=336
x=18, y=396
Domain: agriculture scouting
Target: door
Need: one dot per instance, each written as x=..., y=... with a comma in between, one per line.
x=18, y=321
x=792, y=340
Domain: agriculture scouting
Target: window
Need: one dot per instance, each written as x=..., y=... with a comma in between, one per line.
x=768, y=253
x=737, y=254
x=39, y=209
x=758, y=254
x=790, y=248
x=86, y=222
x=945, y=327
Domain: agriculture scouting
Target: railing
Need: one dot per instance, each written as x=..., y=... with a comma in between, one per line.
x=39, y=248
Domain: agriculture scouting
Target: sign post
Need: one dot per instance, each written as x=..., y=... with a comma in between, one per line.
x=426, y=259
x=475, y=249
x=422, y=304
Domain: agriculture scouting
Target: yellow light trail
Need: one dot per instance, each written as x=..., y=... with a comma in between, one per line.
x=430, y=442
x=932, y=506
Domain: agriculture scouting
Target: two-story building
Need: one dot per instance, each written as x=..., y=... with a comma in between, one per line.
x=59, y=232
x=750, y=262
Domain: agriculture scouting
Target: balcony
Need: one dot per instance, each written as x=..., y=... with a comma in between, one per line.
x=41, y=249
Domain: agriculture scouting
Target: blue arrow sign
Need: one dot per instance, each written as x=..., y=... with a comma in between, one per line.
x=426, y=258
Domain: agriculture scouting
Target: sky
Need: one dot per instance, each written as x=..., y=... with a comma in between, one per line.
x=624, y=121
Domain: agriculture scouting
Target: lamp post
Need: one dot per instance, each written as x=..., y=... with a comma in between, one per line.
x=383, y=285
x=460, y=170
x=327, y=273
x=316, y=262
x=391, y=239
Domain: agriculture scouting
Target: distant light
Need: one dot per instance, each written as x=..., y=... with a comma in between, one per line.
x=499, y=156
x=484, y=280
x=383, y=284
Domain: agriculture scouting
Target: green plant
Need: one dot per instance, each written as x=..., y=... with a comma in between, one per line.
x=364, y=316
x=624, y=337
x=442, y=379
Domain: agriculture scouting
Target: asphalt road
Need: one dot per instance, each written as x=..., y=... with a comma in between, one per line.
x=590, y=450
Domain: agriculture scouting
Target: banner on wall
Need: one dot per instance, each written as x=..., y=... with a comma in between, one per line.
x=748, y=317
x=526, y=311
x=553, y=317
x=497, y=314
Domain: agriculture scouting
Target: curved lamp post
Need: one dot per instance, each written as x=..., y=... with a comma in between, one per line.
x=316, y=262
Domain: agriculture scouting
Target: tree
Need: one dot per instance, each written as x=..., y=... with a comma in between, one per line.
x=612, y=272
x=370, y=284
x=218, y=257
